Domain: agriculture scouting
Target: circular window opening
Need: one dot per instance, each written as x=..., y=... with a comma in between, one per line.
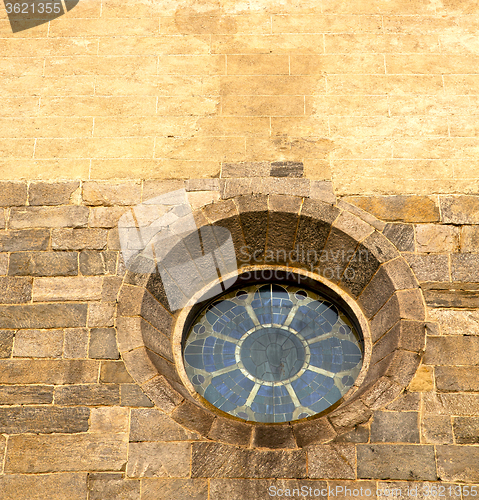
x=272, y=352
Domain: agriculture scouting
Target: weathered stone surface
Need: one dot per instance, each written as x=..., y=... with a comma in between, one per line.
x=132, y=395
x=43, y=264
x=456, y=295
x=465, y=268
x=75, y=343
x=359, y=212
x=469, y=239
x=349, y=416
x=154, y=188
x=214, y=460
x=114, y=372
x=231, y=432
x=98, y=263
x=109, y=420
x=106, y=217
x=314, y=432
x=202, y=185
x=274, y=437
x=395, y=427
x=105, y=486
x=332, y=461
x=399, y=208
x=153, y=425
x=322, y=191
x=286, y=169
x=451, y=404
x=67, y=288
x=64, y=486
x=456, y=350
x=360, y=490
x=193, y=417
x=4, y=257
x=43, y=420
x=246, y=169
x=466, y=430
x=25, y=395
x=159, y=460
x=24, y=240
x=101, y=314
x=52, y=193
x=401, y=235
x=459, y=209
x=32, y=217
x=241, y=489
x=360, y=434
x=276, y=185
x=198, y=199
x=376, y=293
x=88, y=394
x=162, y=394
x=458, y=463
x=404, y=461
x=63, y=452
x=379, y=393
x=43, y=316
x=52, y=371
x=103, y=344
x=457, y=378
x=253, y=212
x=437, y=238
x=79, y=239
x=13, y=194
x=6, y=343
x=166, y=489
x=38, y=343
x=408, y=401
x=429, y=267
x=108, y=194
x=436, y=429
x=110, y=289
x=231, y=188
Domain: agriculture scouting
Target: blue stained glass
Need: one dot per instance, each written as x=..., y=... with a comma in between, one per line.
x=263, y=366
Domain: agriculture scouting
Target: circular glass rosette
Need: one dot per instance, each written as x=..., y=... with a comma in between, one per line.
x=272, y=353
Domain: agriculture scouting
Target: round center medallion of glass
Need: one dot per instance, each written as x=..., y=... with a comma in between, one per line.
x=272, y=353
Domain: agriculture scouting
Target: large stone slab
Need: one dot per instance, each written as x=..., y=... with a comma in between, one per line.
x=51, y=193
x=166, y=489
x=452, y=350
x=458, y=463
x=406, y=461
x=26, y=395
x=457, y=378
x=395, y=427
x=24, y=240
x=65, y=289
x=107, y=486
x=88, y=394
x=43, y=316
x=79, y=239
x=43, y=264
x=451, y=404
x=35, y=217
x=63, y=452
x=38, y=343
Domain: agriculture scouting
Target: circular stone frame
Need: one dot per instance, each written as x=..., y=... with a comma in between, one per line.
x=369, y=275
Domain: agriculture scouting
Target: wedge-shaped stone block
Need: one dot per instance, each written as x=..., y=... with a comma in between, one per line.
x=280, y=436
x=193, y=417
x=161, y=392
x=314, y=432
x=114, y=372
x=57, y=453
x=231, y=432
x=332, y=461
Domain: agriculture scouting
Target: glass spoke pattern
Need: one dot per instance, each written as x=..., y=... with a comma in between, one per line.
x=272, y=353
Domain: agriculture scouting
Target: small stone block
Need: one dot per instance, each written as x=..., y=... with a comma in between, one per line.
x=279, y=436
x=401, y=235
x=315, y=431
x=395, y=427
x=51, y=193
x=103, y=344
x=332, y=461
x=106, y=486
x=132, y=395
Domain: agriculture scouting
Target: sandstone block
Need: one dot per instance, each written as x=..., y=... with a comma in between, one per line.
x=13, y=194
x=98, y=263
x=423, y=380
x=280, y=436
x=43, y=316
x=103, y=344
x=106, y=217
x=469, y=239
x=75, y=343
x=159, y=460
x=6, y=343
x=429, y=267
x=457, y=350
x=402, y=461
x=108, y=194
x=466, y=430
x=114, y=372
x=24, y=240
x=26, y=395
x=202, y=185
x=15, y=290
x=33, y=487
x=107, y=486
x=109, y=420
x=408, y=401
x=231, y=432
x=88, y=394
x=43, y=420
x=459, y=209
x=43, y=264
x=38, y=344
x=101, y=314
x=399, y=208
x=451, y=404
x=458, y=463
x=214, y=460
x=332, y=461
x=465, y=268
x=56, y=453
x=57, y=372
x=165, y=489
x=436, y=238
x=132, y=395
x=395, y=427
x=436, y=429
x=153, y=425
x=33, y=217
x=359, y=434
x=451, y=295
x=4, y=257
x=65, y=289
x=194, y=417
x=457, y=378
x=401, y=235
x=246, y=169
x=322, y=191
x=79, y=239
x=52, y=193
